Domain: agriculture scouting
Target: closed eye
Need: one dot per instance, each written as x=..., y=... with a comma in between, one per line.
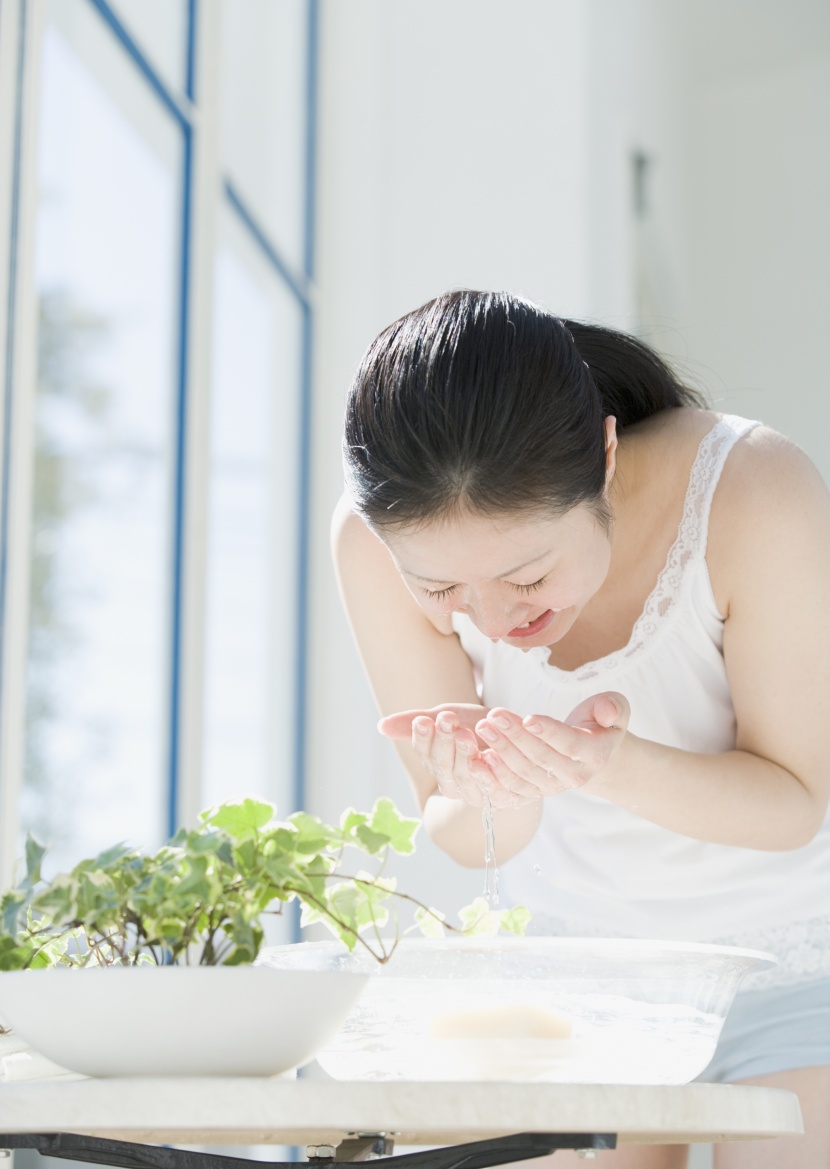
x=528, y=588
x=440, y=594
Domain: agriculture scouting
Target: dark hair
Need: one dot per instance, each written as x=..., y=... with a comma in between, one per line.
x=485, y=401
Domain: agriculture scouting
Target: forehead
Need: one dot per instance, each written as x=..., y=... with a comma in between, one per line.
x=470, y=547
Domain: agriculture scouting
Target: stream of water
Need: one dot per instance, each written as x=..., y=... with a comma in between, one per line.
x=491, y=868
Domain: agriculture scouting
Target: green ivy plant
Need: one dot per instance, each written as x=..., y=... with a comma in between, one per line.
x=201, y=898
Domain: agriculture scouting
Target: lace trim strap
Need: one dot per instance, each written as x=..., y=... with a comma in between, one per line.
x=703, y=480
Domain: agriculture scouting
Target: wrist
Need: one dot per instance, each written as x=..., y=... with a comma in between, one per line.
x=614, y=781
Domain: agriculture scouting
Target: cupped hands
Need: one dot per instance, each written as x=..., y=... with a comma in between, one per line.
x=482, y=755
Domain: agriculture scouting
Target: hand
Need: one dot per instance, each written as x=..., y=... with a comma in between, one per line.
x=544, y=756
x=444, y=740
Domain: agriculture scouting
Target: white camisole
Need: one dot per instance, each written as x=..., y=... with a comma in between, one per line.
x=596, y=869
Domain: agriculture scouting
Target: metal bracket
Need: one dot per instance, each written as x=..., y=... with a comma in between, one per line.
x=358, y=1146
x=474, y=1155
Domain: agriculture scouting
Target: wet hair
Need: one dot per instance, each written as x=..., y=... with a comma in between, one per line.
x=484, y=402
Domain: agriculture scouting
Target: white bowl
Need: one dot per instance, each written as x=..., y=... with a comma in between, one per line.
x=633, y=1012
x=178, y=1020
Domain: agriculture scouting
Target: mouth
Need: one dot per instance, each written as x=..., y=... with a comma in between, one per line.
x=531, y=628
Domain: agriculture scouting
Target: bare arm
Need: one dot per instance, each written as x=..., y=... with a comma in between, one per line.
x=769, y=558
x=413, y=665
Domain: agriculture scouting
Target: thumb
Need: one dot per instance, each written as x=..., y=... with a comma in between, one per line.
x=611, y=710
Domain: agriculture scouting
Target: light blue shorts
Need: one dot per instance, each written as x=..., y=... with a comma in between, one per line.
x=773, y=1030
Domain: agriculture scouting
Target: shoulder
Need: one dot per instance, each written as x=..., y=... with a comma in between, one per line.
x=771, y=507
x=765, y=478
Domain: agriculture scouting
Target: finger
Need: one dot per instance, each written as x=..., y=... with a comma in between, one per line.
x=473, y=777
x=550, y=773
x=521, y=749
x=423, y=733
x=399, y=725
x=610, y=709
x=528, y=736
x=490, y=793
x=548, y=733
x=443, y=755
x=531, y=758
x=507, y=780
x=423, y=741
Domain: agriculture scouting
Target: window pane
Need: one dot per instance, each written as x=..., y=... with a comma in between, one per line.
x=263, y=113
x=107, y=277
x=159, y=27
x=252, y=535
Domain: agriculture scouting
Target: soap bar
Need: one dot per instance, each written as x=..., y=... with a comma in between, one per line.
x=516, y=1022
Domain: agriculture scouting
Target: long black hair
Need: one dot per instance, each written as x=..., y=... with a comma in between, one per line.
x=486, y=402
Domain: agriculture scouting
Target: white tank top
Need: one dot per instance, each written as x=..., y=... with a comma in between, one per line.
x=596, y=869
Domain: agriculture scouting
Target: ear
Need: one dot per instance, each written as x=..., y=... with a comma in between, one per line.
x=610, y=425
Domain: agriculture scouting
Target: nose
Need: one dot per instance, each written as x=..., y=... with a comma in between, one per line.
x=494, y=618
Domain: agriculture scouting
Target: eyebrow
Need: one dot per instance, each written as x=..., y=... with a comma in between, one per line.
x=509, y=572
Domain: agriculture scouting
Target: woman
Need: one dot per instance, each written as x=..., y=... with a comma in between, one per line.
x=587, y=600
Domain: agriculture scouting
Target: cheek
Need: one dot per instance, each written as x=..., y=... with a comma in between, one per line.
x=577, y=589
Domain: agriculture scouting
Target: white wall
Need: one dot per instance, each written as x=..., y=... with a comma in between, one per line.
x=756, y=127
x=453, y=152
x=468, y=142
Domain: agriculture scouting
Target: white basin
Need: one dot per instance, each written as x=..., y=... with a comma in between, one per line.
x=178, y=1020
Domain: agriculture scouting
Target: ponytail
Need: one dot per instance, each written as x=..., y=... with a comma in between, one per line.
x=632, y=380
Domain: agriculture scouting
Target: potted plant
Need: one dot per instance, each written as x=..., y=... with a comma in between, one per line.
x=199, y=902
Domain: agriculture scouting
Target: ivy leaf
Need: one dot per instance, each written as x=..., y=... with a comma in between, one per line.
x=280, y=840
x=373, y=842
x=97, y=900
x=242, y=821
x=429, y=922
x=108, y=859
x=35, y=852
x=13, y=956
x=216, y=845
x=351, y=820
x=478, y=920
x=515, y=920
x=59, y=900
x=247, y=938
x=246, y=855
x=399, y=830
x=312, y=834
x=198, y=882
x=14, y=902
x=62, y=950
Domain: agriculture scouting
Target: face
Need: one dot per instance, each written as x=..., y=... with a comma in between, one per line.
x=521, y=579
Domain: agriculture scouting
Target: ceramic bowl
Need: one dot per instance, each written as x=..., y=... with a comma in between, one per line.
x=179, y=1020
x=534, y=1009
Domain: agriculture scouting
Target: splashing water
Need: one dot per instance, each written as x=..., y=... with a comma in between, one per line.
x=491, y=868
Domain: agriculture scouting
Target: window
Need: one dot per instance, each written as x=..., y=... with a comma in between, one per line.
x=154, y=438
